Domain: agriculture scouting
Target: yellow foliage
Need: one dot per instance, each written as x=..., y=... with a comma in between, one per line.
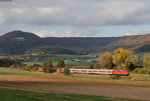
x=146, y=59
x=105, y=60
x=121, y=58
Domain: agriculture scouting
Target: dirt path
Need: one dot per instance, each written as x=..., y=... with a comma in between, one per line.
x=41, y=83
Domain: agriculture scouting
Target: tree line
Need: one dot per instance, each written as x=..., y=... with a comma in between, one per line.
x=6, y=62
x=123, y=59
x=48, y=67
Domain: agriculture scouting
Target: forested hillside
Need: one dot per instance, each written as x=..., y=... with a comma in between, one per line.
x=18, y=42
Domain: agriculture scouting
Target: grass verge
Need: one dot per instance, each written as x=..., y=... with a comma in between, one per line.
x=22, y=95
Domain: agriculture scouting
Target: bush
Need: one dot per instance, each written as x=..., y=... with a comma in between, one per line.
x=34, y=69
x=47, y=65
x=46, y=69
x=97, y=66
x=28, y=68
x=6, y=62
x=60, y=63
x=145, y=70
x=66, y=71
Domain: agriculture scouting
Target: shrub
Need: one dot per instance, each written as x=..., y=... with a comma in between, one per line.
x=47, y=65
x=7, y=62
x=46, y=69
x=28, y=68
x=66, y=71
x=60, y=63
x=34, y=69
x=145, y=70
x=97, y=66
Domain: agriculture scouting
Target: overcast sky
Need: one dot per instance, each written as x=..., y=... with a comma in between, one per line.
x=76, y=18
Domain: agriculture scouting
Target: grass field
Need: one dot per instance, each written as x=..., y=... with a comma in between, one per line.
x=22, y=95
x=56, y=57
x=66, y=63
x=66, y=56
x=11, y=71
x=140, y=74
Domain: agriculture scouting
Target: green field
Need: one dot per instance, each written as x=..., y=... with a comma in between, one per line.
x=56, y=57
x=66, y=63
x=11, y=71
x=22, y=95
x=140, y=74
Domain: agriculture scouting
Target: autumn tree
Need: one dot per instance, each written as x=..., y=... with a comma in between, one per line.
x=97, y=66
x=60, y=63
x=135, y=59
x=121, y=58
x=146, y=60
x=66, y=71
x=136, y=62
x=47, y=65
x=27, y=68
x=105, y=60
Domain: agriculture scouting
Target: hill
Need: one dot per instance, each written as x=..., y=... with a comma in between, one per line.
x=16, y=36
x=19, y=42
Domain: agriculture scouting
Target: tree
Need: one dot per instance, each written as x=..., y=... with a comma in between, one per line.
x=47, y=65
x=97, y=66
x=105, y=60
x=60, y=63
x=146, y=60
x=27, y=68
x=66, y=71
x=136, y=62
x=7, y=62
x=121, y=58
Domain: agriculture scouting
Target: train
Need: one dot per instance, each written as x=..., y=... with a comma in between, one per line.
x=99, y=71
x=92, y=71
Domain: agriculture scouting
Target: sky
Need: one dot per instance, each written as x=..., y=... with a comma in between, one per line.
x=76, y=18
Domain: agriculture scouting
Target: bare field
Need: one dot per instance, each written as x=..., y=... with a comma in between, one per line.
x=56, y=84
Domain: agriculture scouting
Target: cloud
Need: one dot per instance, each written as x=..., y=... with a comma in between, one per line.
x=137, y=32
x=2, y=20
x=72, y=32
x=78, y=12
x=83, y=17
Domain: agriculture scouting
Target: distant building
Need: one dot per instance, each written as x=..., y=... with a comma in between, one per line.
x=76, y=60
x=67, y=61
x=19, y=38
x=73, y=60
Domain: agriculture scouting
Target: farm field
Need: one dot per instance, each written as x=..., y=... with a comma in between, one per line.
x=11, y=71
x=22, y=95
x=56, y=57
x=138, y=90
x=66, y=63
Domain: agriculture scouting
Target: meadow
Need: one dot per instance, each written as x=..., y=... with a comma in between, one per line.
x=55, y=57
x=24, y=95
x=19, y=72
x=66, y=63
